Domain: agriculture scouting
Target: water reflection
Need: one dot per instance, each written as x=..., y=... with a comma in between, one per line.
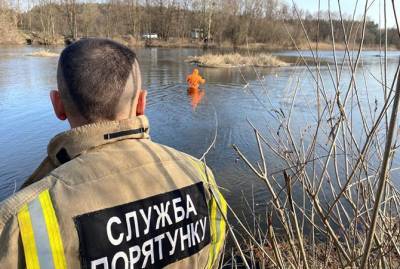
x=195, y=96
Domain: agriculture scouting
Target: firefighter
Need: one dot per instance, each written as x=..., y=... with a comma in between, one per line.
x=106, y=196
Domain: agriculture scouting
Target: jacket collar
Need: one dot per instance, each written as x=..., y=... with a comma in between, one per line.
x=67, y=145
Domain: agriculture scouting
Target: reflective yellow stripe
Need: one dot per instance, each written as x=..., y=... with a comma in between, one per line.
x=222, y=223
x=217, y=221
x=214, y=235
x=219, y=225
x=28, y=238
x=53, y=230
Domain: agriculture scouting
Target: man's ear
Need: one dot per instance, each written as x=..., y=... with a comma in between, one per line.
x=141, y=104
x=58, y=106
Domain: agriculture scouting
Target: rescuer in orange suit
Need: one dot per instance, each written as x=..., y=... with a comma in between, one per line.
x=194, y=79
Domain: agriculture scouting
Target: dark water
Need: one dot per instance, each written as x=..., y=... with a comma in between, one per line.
x=27, y=122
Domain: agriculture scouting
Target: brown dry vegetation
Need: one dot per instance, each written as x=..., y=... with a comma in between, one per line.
x=332, y=190
x=9, y=33
x=237, y=60
x=223, y=23
x=43, y=53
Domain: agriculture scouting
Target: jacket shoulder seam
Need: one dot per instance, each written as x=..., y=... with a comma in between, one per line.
x=12, y=205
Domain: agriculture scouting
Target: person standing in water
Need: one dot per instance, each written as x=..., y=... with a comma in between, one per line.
x=194, y=79
x=106, y=196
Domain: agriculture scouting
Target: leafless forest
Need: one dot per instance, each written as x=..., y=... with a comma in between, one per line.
x=221, y=23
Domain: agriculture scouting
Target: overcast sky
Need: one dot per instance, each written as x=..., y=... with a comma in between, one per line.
x=348, y=6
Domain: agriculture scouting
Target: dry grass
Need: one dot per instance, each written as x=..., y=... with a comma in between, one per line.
x=9, y=34
x=43, y=53
x=237, y=60
x=130, y=41
x=331, y=186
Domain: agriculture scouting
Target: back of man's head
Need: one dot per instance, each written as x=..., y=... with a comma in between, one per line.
x=92, y=76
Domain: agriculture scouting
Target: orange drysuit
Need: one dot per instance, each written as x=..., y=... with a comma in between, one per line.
x=194, y=79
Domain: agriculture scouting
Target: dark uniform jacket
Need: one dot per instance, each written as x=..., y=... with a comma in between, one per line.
x=108, y=197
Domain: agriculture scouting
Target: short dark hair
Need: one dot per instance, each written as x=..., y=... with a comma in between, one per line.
x=92, y=75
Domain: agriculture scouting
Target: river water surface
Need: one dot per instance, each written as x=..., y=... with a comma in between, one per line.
x=230, y=97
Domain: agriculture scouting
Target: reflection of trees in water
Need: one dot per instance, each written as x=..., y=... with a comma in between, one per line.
x=163, y=66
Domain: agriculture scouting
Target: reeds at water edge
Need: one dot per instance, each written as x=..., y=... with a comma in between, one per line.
x=334, y=196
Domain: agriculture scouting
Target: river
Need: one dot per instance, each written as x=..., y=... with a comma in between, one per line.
x=230, y=97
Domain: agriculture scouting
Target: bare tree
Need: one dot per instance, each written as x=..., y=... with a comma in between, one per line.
x=70, y=7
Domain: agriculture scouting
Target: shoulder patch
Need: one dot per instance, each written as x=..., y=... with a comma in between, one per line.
x=148, y=233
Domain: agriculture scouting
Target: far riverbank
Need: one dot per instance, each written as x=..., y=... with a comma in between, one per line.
x=39, y=39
